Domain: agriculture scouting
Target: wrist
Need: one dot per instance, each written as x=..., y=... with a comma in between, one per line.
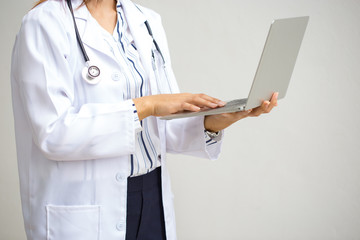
x=210, y=126
x=143, y=107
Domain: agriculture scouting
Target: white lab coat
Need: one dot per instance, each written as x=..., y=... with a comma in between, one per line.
x=74, y=139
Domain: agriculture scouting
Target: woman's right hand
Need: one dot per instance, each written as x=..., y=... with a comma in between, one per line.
x=166, y=104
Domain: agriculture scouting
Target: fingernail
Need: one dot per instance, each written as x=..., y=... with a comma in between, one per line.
x=213, y=105
x=221, y=103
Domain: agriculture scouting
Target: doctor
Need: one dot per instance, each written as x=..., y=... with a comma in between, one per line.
x=91, y=150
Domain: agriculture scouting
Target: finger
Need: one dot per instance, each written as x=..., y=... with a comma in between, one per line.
x=274, y=96
x=190, y=107
x=259, y=110
x=212, y=99
x=271, y=106
x=274, y=99
x=266, y=107
x=273, y=102
x=235, y=116
x=243, y=114
x=217, y=101
x=201, y=102
x=256, y=112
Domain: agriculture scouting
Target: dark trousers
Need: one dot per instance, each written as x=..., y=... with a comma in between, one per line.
x=145, y=214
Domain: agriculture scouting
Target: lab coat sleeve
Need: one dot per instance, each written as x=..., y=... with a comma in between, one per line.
x=43, y=79
x=187, y=136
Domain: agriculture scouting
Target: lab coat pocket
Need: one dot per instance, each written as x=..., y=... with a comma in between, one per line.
x=73, y=222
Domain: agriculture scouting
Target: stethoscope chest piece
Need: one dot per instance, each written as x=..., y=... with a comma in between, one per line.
x=91, y=74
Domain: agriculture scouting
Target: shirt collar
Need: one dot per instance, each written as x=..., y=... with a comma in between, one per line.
x=132, y=12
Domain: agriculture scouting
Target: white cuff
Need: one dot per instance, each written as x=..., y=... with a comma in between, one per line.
x=137, y=125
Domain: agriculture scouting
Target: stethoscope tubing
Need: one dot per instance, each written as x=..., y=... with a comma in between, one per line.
x=155, y=43
x=88, y=76
x=78, y=38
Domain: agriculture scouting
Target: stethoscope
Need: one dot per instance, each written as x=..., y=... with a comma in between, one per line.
x=91, y=73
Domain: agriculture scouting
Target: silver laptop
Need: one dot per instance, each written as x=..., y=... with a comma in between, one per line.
x=274, y=70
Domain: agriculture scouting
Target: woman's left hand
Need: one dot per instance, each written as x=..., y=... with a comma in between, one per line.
x=216, y=123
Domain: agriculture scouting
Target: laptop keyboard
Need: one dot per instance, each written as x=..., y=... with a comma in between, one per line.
x=236, y=102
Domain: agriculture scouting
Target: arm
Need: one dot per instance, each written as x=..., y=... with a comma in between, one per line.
x=187, y=135
x=64, y=127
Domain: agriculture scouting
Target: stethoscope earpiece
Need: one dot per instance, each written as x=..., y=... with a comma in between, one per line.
x=91, y=74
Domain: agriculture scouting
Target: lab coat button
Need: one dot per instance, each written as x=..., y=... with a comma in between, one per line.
x=120, y=226
x=120, y=177
x=116, y=76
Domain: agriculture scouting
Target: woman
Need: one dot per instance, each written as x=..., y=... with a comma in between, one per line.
x=92, y=157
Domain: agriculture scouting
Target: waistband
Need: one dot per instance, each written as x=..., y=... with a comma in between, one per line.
x=145, y=182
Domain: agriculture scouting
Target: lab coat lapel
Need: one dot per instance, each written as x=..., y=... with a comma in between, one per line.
x=143, y=41
x=89, y=30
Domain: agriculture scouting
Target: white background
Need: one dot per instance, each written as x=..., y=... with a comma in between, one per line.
x=293, y=174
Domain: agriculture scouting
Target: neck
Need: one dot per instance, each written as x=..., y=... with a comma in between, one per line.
x=101, y=5
x=104, y=11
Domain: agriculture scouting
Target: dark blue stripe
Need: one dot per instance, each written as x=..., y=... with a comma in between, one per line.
x=135, y=111
x=122, y=20
x=141, y=91
x=149, y=139
x=208, y=141
x=142, y=79
x=120, y=34
x=141, y=94
x=147, y=153
x=211, y=143
x=134, y=46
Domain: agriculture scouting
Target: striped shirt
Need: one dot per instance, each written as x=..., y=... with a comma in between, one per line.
x=147, y=145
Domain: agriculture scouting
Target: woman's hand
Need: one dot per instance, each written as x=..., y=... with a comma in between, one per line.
x=216, y=123
x=165, y=104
